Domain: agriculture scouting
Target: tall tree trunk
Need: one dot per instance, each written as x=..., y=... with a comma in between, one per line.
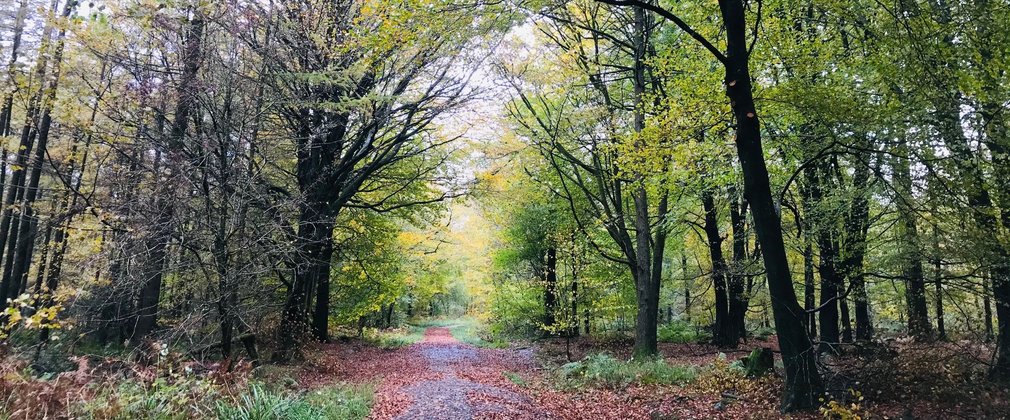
x=803, y=382
x=986, y=308
x=997, y=136
x=7, y=108
x=646, y=280
x=150, y=293
x=551, y=287
x=910, y=249
x=687, y=286
x=816, y=182
x=738, y=298
x=574, y=318
x=320, y=259
x=809, y=287
x=722, y=333
x=856, y=227
x=314, y=245
x=9, y=226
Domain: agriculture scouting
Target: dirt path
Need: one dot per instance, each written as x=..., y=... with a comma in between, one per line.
x=440, y=378
x=458, y=387
x=436, y=378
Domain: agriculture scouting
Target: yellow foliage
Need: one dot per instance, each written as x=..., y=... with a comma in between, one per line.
x=33, y=312
x=841, y=411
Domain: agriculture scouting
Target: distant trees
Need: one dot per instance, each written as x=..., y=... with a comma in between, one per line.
x=190, y=170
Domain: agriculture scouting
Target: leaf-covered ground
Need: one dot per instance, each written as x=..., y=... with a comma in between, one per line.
x=442, y=378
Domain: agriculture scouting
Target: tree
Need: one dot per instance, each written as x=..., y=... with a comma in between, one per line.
x=367, y=98
x=803, y=383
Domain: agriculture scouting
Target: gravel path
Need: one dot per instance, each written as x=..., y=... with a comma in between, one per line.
x=462, y=389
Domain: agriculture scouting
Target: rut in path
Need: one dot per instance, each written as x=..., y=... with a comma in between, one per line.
x=460, y=386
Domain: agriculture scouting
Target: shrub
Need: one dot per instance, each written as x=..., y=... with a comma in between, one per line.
x=342, y=401
x=335, y=402
x=681, y=332
x=393, y=338
x=603, y=370
x=161, y=399
x=763, y=333
x=260, y=404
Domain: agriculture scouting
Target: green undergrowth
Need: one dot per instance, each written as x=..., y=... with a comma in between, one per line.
x=202, y=399
x=333, y=402
x=681, y=332
x=394, y=338
x=605, y=371
x=468, y=330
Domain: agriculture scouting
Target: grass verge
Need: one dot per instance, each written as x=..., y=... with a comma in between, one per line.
x=468, y=330
x=603, y=370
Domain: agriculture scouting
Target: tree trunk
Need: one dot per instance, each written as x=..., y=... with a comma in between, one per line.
x=910, y=250
x=856, y=226
x=803, y=382
x=150, y=294
x=997, y=134
x=815, y=177
x=986, y=308
x=320, y=258
x=722, y=333
x=314, y=245
x=7, y=109
x=687, y=286
x=646, y=280
x=843, y=310
x=738, y=296
x=551, y=287
x=9, y=226
x=574, y=319
x=809, y=287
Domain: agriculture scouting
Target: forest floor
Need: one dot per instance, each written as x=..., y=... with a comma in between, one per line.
x=440, y=377
x=444, y=369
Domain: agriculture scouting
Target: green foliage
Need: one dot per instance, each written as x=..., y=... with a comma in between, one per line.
x=334, y=402
x=763, y=333
x=31, y=312
x=260, y=404
x=515, y=378
x=682, y=332
x=202, y=398
x=395, y=337
x=342, y=401
x=164, y=398
x=468, y=330
x=603, y=370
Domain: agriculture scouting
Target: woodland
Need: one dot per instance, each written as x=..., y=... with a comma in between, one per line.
x=455, y=209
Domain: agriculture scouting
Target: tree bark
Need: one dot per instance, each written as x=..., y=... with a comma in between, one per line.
x=687, y=286
x=856, y=227
x=803, y=382
x=722, y=333
x=986, y=308
x=154, y=271
x=809, y=287
x=9, y=226
x=738, y=297
x=910, y=249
